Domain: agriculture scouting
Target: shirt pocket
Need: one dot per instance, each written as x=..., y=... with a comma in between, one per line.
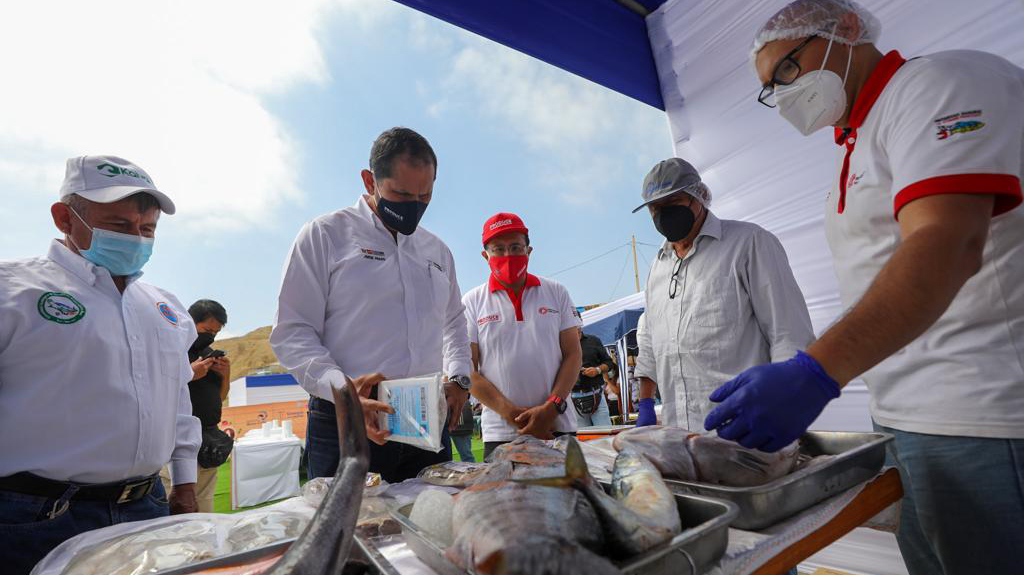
x=171, y=354
x=440, y=286
x=714, y=303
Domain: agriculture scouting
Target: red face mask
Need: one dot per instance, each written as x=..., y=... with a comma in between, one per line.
x=508, y=269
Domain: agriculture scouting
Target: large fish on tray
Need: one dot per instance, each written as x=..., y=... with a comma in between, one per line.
x=324, y=546
x=682, y=454
x=524, y=515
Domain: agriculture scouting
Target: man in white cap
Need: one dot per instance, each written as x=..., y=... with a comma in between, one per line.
x=721, y=297
x=929, y=251
x=94, y=371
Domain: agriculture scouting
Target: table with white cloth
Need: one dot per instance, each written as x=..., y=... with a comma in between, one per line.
x=264, y=469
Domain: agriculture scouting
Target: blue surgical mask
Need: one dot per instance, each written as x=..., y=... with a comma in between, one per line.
x=121, y=254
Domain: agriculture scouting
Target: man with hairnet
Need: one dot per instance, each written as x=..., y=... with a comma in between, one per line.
x=929, y=252
x=721, y=297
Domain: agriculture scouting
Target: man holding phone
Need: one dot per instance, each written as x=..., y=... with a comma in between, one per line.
x=211, y=378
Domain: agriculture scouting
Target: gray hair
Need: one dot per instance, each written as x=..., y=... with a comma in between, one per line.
x=143, y=201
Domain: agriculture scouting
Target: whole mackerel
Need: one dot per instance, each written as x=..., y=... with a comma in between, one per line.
x=323, y=548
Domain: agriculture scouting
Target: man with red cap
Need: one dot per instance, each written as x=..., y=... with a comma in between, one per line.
x=525, y=346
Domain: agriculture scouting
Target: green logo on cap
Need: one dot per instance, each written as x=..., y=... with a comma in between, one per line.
x=110, y=170
x=60, y=307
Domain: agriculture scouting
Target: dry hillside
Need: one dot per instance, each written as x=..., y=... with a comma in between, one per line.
x=249, y=352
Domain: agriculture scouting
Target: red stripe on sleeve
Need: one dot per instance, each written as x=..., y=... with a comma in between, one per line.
x=1004, y=187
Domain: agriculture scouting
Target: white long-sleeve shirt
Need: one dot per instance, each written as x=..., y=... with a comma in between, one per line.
x=737, y=305
x=355, y=298
x=93, y=382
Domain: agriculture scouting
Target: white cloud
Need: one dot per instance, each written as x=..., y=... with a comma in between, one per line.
x=582, y=134
x=177, y=87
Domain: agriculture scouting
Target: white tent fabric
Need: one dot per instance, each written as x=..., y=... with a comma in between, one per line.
x=760, y=169
x=634, y=301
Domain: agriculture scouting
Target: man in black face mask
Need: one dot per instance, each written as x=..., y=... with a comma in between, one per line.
x=369, y=294
x=720, y=294
x=211, y=378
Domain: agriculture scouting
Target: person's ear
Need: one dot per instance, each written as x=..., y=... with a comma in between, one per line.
x=486, y=257
x=368, y=181
x=61, y=214
x=529, y=250
x=849, y=26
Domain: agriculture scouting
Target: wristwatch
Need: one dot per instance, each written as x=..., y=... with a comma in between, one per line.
x=560, y=404
x=462, y=381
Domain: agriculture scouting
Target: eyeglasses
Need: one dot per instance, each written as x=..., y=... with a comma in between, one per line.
x=673, y=283
x=784, y=74
x=511, y=249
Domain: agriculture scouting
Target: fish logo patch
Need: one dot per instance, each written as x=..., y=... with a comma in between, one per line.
x=546, y=310
x=60, y=307
x=959, y=123
x=854, y=179
x=168, y=312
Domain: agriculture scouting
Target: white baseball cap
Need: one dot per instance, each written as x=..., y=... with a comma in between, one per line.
x=107, y=179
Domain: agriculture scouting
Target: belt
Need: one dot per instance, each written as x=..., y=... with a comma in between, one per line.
x=122, y=492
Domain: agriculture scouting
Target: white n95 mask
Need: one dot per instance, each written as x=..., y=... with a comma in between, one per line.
x=816, y=99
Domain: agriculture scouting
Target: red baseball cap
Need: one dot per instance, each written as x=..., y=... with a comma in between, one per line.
x=503, y=223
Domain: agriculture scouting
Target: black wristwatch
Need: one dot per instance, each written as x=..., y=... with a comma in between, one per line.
x=462, y=381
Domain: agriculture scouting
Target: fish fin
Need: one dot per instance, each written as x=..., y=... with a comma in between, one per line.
x=575, y=469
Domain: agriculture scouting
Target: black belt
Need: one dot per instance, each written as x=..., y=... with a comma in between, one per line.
x=123, y=492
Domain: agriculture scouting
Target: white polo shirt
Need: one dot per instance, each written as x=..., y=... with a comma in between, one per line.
x=93, y=382
x=520, y=355
x=951, y=122
x=356, y=298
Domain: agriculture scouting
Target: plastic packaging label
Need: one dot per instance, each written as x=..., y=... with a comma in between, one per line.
x=420, y=410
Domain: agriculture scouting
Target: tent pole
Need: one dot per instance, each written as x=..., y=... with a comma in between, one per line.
x=635, y=6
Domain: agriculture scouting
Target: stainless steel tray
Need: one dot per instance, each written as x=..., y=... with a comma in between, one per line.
x=859, y=457
x=701, y=543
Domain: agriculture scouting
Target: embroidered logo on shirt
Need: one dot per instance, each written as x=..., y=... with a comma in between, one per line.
x=546, y=310
x=487, y=319
x=168, y=312
x=959, y=123
x=435, y=265
x=60, y=307
x=375, y=255
x=853, y=180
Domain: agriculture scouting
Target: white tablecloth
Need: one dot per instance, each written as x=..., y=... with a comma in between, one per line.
x=264, y=470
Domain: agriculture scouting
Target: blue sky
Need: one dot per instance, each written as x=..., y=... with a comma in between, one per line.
x=256, y=120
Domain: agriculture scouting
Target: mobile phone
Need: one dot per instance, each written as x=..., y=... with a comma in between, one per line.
x=216, y=353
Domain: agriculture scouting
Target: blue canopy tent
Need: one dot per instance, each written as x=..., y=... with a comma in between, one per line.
x=604, y=41
x=612, y=321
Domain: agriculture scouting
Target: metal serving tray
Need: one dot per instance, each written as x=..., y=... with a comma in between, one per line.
x=859, y=457
x=701, y=543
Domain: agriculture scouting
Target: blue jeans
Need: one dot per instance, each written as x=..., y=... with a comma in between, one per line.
x=464, y=445
x=963, y=503
x=27, y=534
x=395, y=462
x=599, y=417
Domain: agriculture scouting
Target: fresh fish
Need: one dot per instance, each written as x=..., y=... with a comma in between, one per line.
x=666, y=447
x=510, y=523
x=452, y=473
x=529, y=450
x=682, y=454
x=324, y=546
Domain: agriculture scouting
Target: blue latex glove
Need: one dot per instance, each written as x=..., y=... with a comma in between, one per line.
x=646, y=414
x=769, y=406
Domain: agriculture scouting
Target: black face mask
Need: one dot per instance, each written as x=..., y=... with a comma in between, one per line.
x=674, y=222
x=403, y=217
x=202, y=342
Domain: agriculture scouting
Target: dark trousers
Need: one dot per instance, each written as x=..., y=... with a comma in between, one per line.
x=395, y=462
x=490, y=446
x=27, y=533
